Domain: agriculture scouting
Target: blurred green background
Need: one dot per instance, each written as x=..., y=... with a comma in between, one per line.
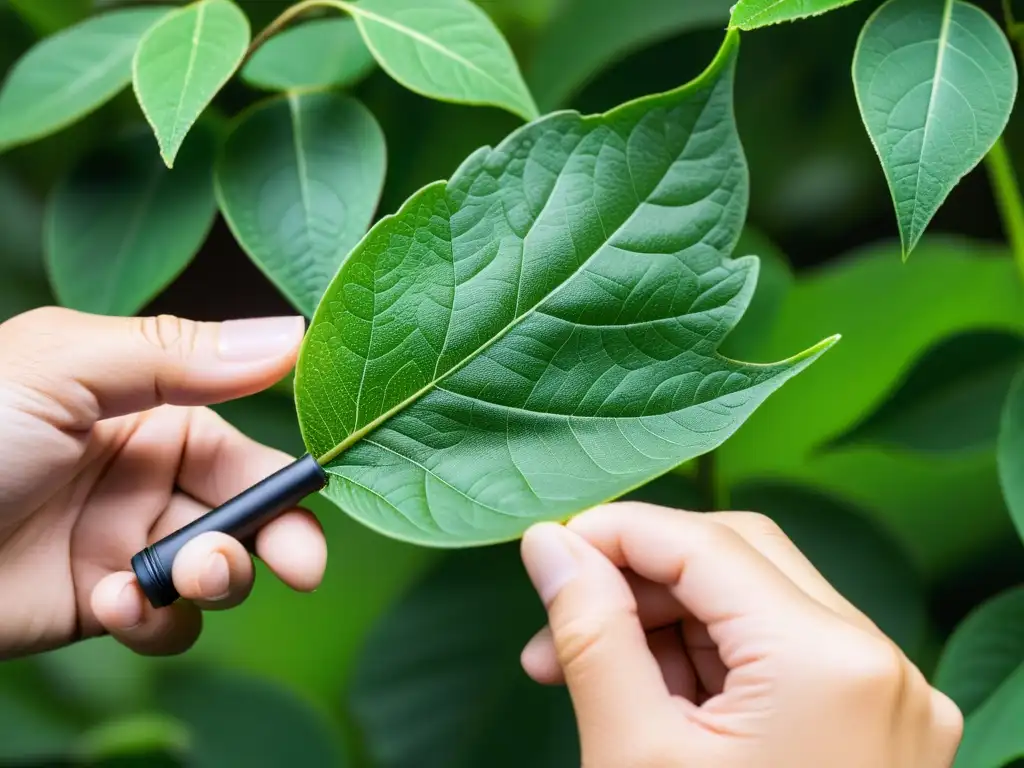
x=408, y=657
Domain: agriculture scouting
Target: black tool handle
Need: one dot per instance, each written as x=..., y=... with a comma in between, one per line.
x=240, y=518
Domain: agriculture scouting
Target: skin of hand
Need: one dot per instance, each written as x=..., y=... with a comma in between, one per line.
x=699, y=640
x=106, y=450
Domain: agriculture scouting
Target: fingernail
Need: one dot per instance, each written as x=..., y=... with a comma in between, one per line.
x=259, y=338
x=548, y=560
x=215, y=581
x=129, y=606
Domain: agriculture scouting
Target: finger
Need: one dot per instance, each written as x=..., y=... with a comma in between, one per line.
x=214, y=571
x=615, y=682
x=122, y=609
x=709, y=568
x=218, y=463
x=89, y=367
x=770, y=540
x=946, y=732
x=666, y=646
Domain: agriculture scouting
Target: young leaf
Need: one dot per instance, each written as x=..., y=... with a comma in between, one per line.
x=950, y=400
x=587, y=36
x=985, y=649
x=935, y=81
x=444, y=49
x=181, y=64
x=538, y=334
x=993, y=737
x=298, y=180
x=751, y=14
x=1010, y=452
x=67, y=76
x=121, y=226
x=317, y=54
x=460, y=681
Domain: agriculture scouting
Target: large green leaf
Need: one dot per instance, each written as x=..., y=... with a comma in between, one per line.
x=1011, y=452
x=993, y=737
x=751, y=14
x=67, y=76
x=444, y=49
x=935, y=81
x=983, y=652
x=587, y=36
x=298, y=180
x=950, y=400
x=539, y=334
x=121, y=227
x=317, y=54
x=439, y=683
x=182, y=62
x=245, y=721
x=852, y=552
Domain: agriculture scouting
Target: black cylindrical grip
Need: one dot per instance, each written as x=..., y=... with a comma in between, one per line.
x=240, y=518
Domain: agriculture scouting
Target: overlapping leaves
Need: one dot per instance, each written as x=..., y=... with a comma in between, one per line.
x=539, y=333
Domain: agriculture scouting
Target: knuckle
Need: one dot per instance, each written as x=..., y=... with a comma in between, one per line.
x=758, y=525
x=947, y=717
x=169, y=334
x=877, y=667
x=579, y=640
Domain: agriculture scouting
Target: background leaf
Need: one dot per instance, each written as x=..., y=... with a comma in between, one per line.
x=983, y=652
x=49, y=16
x=751, y=14
x=992, y=735
x=121, y=227
x=935, y=81
x=950, y=400
x=1011, y=452
x=67, y=76
x=538, y=335
x=444, y=49
x=464, y=689
x=586, y=36
x=31, y=731
x=182, y=62
x=298, y=180
x=316, y=54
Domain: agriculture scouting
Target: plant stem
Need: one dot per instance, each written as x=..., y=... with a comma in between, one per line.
x=712, y=491
x=287, y=17
x=1008, y=199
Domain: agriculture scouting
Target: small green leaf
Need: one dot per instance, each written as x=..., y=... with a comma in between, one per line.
x=317, y=54
x=445, y=49
x=181, y=64
x=935, y=81
x=852, y=552
x=983, y=651
x=134, y=735
x=298, y=181
x=121, y=227
x=438, y=684
x=751, y=14
x=587, y=36
x=950, y=400
x=67, y=76
x=1010, y=452
x=993, y=737
x=539, y=334
x=245, y=721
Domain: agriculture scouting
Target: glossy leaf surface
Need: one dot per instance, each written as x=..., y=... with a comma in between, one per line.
x=983, y=651
x=317, y=54
x=539, y=334
x=122, y=226
x=182, y=62
x=460, y=682
x=67, y=76
x=751, y=14
x=444, y=49
x=935, y=81
x=1010, y=452
x=587, y=36
x=950, y=400
x=298, y=180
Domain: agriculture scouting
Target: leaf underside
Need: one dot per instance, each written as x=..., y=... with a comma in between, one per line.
x=538, y=334
x=935, y=81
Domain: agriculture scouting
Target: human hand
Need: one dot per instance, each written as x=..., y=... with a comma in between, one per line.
x=719, y=644
x=105, y=452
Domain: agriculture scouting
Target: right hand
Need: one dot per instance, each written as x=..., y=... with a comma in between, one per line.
x=709, y=640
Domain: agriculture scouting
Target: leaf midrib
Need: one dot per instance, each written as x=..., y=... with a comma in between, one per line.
x=190, y=69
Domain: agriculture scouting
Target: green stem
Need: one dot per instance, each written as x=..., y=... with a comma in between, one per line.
x=714, y=494
x=1008, y=199
x=287, y=17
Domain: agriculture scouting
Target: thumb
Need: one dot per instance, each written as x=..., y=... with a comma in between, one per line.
x=94, y=367
x=617, y=688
